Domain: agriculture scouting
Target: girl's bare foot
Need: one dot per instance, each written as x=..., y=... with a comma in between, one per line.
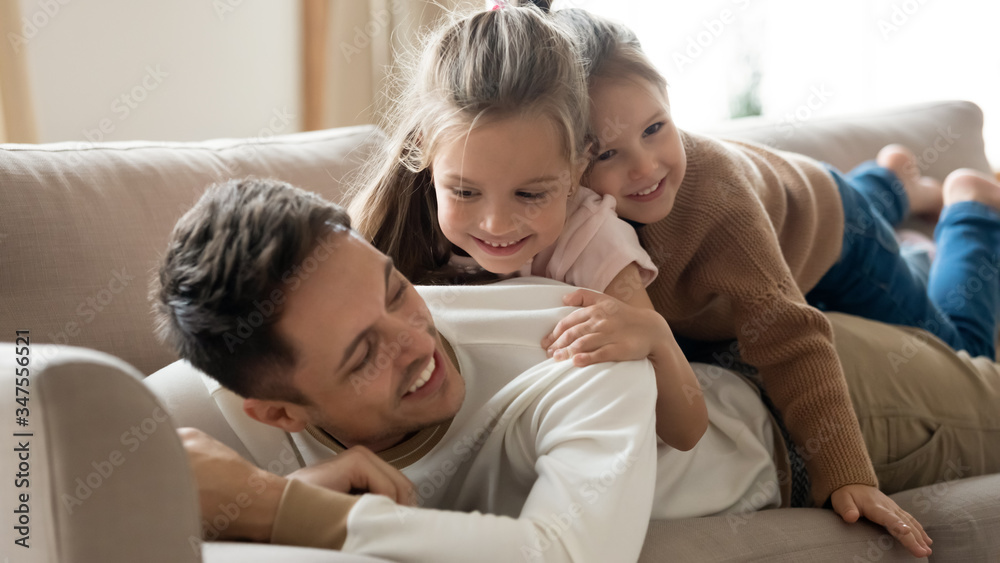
x=966, y=184
x=924, y=192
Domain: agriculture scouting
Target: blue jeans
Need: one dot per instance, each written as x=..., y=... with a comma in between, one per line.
x=959, y=303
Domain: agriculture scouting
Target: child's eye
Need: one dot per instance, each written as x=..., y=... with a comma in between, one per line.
x=652, y=129
x=532, y=196
x=461, y=194
x=605, y=155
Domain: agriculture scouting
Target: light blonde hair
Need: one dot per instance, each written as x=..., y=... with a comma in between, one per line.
x=488, y=66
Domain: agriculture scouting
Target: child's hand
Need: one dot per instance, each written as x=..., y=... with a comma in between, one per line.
x=854, y=501
x=607, y=329
x=604, y=330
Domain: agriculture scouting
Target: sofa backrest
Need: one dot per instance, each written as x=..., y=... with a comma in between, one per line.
x=945, y=135
x=83, y=225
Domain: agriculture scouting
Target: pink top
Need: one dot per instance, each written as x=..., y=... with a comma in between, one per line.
x=594, y=247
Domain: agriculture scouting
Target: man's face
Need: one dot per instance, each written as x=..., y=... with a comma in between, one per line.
x=369, y=358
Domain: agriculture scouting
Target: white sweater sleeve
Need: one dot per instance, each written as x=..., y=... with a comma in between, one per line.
x=590, y=432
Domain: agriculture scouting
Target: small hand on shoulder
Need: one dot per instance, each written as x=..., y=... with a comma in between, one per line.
x=604, y=329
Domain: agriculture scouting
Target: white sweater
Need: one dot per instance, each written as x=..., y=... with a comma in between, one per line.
x=544, y=461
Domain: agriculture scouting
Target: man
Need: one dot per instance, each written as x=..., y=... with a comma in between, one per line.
x=265, y=288
x=558, y=461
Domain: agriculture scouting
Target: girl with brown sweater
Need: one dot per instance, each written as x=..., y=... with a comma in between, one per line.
x=750, y=242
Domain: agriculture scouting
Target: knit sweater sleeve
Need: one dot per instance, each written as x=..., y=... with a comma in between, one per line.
x=723, y=275
x=791, y=343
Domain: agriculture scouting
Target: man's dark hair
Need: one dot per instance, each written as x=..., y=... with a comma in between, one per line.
x=230, y=264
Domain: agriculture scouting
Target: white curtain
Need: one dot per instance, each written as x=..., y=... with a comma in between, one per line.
x=17, y=114
x=813, y=60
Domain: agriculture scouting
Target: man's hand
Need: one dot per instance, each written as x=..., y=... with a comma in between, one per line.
x=359, y=469
x=854, y=501
x=238, y=499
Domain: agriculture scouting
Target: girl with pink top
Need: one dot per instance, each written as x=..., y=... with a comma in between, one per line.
x=480, y=180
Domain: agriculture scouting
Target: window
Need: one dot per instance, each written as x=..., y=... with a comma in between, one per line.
x=795, y=60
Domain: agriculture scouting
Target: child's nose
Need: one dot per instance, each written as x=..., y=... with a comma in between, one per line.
x=498, y=220
x=642, y=166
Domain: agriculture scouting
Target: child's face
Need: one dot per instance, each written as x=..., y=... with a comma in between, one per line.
x=640, y=158
x=502, y=191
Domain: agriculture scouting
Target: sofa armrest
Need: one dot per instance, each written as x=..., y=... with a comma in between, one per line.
x=109, y=479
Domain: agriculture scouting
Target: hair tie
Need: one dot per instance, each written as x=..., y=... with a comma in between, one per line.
x=497, y=4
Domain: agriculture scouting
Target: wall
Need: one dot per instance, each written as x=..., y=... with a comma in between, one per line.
x=178, y=70
x=232, y=67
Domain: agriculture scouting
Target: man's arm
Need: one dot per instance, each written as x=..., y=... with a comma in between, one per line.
x=247, y=497
x=591, y=435
x=226, y=479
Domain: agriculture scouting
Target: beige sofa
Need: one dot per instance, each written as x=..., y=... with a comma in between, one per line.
x=81, y=228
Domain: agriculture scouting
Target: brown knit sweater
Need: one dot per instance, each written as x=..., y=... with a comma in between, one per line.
x=752, y=229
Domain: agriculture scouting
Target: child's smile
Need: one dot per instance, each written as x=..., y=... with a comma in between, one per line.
x=505, y=248
x=502, y=191
x=640, y=160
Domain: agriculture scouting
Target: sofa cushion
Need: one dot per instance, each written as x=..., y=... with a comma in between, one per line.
x=944, y=135
x=184, y=391
x=194, y=399
x=962, y=517
x=233, y=552
x=788, y=535
x=83, y=225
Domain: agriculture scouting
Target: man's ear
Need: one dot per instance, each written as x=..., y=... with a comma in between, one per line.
x=280, y=414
